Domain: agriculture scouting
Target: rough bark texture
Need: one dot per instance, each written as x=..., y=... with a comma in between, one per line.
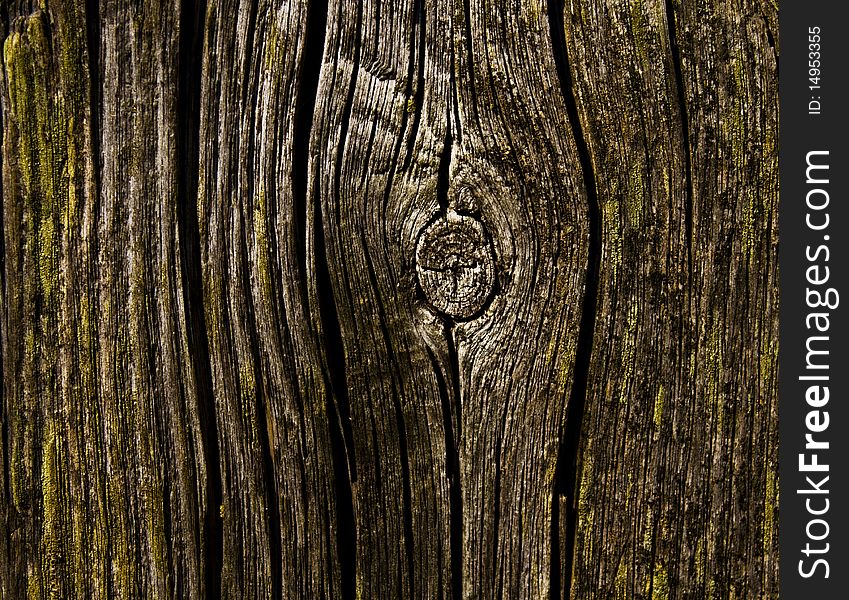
x=420, y=299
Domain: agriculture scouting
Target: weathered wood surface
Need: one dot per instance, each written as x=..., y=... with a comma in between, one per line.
x=104, y=462
x=422, y=299
x=679, y=445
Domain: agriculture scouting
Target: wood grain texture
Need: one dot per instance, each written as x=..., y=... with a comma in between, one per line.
x=518, y=163
x=678, y=451
x=372, y=100
x=373, y=299
x=456, y=423
x=270, y=381
x=105, y=490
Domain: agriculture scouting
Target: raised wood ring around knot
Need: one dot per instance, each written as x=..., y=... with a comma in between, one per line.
x=455, y=265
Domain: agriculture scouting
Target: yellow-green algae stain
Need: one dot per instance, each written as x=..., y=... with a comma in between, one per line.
x=262, y=246
x=46, y=141
x=53, y=535
x=586, y=494
x=658, y=407
x=26, y=54
x=660, y=583
x=770, y=510
x=629, y=351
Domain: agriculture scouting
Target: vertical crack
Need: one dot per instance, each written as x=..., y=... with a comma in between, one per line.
x=452, y=468
x=453, y=435
x=451, y=399
x=467, y=24
x=443, y=175
x=188, y=156
x=93, y=21
x=567, y=472
x=337, y=400
x=685, y=120
x=417, y=50
x=339, y=416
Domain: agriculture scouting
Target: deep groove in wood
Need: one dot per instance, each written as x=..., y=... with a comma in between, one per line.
x=685, y=132
x=568, y=470
x=93, y=38
x=453, y=435
x=455, y=415
x=450, y=456
x=330, y=326
x=339, y=416
x=444, y=173
x=467, y=24
x=417, y=51
x=192, y=21
x=336, y=401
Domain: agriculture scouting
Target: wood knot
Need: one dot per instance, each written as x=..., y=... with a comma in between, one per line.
x=455, y=265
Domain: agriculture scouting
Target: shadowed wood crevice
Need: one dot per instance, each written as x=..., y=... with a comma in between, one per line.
x=453, y=433
x=308, y=75
x=443, y=181
x=450, y=414
x=337, y=402
x=415, y=80
x=469, y=71
x=192, y=20
x=686, y=150
x=339, y=418
x=567, y=476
